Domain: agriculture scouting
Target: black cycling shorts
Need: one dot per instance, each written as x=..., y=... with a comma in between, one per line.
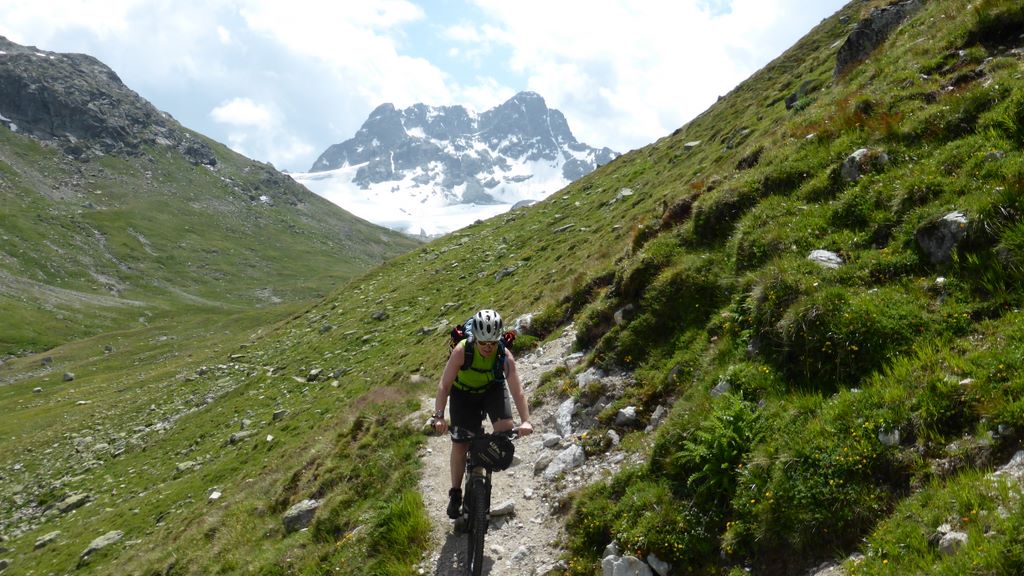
x=467, y=410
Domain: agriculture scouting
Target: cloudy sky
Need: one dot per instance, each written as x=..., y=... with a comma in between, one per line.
x=280, y=81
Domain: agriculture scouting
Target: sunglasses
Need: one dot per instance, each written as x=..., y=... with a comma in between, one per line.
x=487, y=343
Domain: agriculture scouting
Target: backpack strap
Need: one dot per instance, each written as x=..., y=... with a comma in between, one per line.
x=498, y=374
x=499, y=364
x=467, y=363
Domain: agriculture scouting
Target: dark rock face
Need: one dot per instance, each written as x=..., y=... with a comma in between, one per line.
x=451, y=147
x=81, y=104
x=871, y=32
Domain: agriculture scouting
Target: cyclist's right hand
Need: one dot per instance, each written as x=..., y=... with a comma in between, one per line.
x=439, y=425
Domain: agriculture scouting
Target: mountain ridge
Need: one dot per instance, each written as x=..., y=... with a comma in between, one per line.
x=422, y=159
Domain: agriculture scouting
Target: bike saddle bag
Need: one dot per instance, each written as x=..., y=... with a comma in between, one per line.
x=493, y=452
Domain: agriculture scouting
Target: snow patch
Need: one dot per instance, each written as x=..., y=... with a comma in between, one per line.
x=419, y=202
x=399, y=205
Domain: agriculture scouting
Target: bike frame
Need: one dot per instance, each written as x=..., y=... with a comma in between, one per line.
x=476, y=500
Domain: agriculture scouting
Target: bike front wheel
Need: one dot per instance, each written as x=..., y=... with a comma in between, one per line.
x=477, y=527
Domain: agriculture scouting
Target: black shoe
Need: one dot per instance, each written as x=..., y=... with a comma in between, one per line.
x=454, y=503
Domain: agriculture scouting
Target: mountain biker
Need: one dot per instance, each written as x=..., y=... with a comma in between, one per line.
x=476, y=392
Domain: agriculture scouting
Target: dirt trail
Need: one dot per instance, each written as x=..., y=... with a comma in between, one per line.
x=525, y=543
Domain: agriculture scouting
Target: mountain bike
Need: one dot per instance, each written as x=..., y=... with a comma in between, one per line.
x=487, y=453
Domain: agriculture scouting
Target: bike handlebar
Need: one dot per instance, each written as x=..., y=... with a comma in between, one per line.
x=461, y=433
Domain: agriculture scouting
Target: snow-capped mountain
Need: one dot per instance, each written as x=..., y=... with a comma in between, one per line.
x=430, y=170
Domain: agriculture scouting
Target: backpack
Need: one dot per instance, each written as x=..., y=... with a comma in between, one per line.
x=465, y=332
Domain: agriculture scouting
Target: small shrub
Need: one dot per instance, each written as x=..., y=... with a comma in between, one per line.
x=594, y=322
x=549, y=320
x=681, y=298
x=591, y=520
x=680, y=534
x=621, y=510
x=1007, y=119
x=774, y=289
x=997, y=23
x=777, y=226
x=992, y=258
x=703, y=461
x=715, y=212
x=854, y=210
x=525, y=343
x=829, y=483
x=631, y=280
x=941, y=409
x=556, y=381
x=399, y=531
x=835, y=337
x=596, y=443
x=754, y=380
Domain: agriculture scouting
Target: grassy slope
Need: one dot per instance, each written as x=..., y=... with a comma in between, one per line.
x=108, y=241
x=781, y=472
x=134, y=274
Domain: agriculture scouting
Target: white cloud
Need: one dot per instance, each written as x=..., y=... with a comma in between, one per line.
x=243, y=112
x=626, y=73
x=224, y=34
x=34, y=22
x=360, y=44
x=258, y=131
x=485, y=93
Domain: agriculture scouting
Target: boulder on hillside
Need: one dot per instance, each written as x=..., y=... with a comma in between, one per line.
x=872, y=32
x=197, y=152
x=299, y=516
x=112, y=537
x=624, y=566
x=46, y=540
x=825, y=258
x=939, y=238
x=73, y=503
x=863, y=161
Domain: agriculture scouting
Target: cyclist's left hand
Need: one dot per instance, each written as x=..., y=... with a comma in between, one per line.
x=525, y=429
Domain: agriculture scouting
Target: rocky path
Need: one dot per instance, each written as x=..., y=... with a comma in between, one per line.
x=526, y=540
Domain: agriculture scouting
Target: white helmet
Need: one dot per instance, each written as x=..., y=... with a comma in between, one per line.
x=487, y=326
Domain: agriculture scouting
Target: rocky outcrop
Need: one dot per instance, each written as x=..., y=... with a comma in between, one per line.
x=871, y=32
x=79, y=103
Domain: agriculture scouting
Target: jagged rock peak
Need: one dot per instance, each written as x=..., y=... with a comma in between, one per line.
x=521, y=127
x=466, y=157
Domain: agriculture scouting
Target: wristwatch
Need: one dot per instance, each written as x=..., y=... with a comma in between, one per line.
x=436, y=416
